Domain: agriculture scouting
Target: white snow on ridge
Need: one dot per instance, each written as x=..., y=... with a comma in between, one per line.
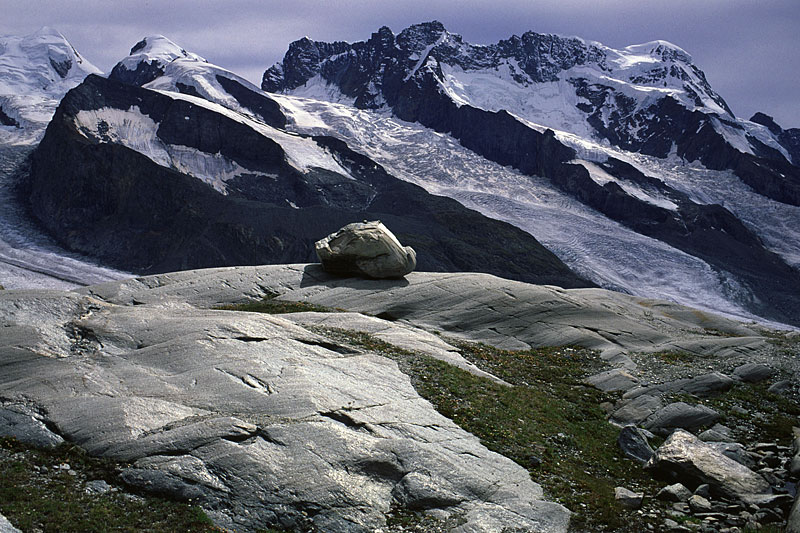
x=594, y=246
x=160, y=50
x=30, y=85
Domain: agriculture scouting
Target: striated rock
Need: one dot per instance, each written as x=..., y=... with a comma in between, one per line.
x=683, y=456
x=633, y=444
x=366, y=249
x=680, y=415
x=252, y=416
x=628, y=498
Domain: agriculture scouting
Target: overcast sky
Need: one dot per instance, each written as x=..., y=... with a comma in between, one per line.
x=749, y=49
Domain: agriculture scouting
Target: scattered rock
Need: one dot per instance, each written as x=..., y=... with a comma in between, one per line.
x=633, y=443
x=705, y=385
x=628, y=498
x=680, y=415
x=366, y=249
x=793, y=522
x=683, y=456
x=699, y=504
x=676, y=492
x=616, y=379
x=753, y=372
x=97, y=486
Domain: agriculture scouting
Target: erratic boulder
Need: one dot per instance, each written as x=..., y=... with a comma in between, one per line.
x=366, y=249
x=686, y=458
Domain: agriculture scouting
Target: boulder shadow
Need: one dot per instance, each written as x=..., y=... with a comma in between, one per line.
x=315, y=275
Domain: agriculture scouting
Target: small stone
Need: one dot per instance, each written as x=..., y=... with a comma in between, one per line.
x=735, y=451
x=753, y=372
x=703, y=490
x=674, y=493
x=97, y=486
x=681, y=507
x=698, y=504
x=670, y=523
x=717, y=433
x=628, y=498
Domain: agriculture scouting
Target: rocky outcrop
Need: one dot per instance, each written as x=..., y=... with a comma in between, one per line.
x=255, y=418
x=366, y=249
x=686, y=458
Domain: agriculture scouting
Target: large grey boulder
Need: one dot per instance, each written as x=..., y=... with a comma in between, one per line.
x=366, y=249
x=685, y=458
x=254, y=417
x=633, y=443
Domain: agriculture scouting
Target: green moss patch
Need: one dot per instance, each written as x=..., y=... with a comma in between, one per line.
x=36, y=493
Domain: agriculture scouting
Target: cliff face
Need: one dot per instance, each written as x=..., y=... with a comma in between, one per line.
x=153, y=182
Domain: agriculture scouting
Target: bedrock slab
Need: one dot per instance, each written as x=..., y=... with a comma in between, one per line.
x=256, y=418
x=478, y=307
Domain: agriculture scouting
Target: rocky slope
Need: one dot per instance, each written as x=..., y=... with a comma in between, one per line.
x=593, y=121
x=194, y=169
x=266, y=419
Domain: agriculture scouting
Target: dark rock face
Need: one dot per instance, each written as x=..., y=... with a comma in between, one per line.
x=144, y=73
x=5, y=120
x=789, y=139
x=116, y=204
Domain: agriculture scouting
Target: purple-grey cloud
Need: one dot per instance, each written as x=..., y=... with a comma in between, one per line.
x=747, y=49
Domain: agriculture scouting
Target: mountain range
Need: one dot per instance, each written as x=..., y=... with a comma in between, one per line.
x=539, y=158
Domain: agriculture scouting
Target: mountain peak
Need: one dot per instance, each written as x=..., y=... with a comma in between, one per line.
x=148, y=59
x=659, y=49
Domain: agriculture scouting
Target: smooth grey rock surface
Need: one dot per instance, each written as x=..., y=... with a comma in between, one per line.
x=251, y=415
x=6, y=526
x=703, y=385
x=634, y=445
x=686, y=458
x=479, y=307
x=395, y=333
x=680, y=415
x=716, y=433
x=366, y=249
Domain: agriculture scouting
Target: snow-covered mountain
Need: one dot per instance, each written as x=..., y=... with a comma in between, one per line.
x=36, y=71
x=696, y=204
x=172, y=163
x=624, y=163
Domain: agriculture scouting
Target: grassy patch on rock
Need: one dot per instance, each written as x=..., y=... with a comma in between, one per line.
x=45, y=490
x=270, y=305
x=548, y=422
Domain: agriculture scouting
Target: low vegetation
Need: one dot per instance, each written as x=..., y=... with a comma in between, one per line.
x=547, y=421
x=45, y=490
x=272, y=306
